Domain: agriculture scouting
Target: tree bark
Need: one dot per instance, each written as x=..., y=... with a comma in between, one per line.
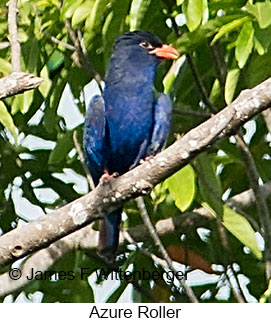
x=18, y=82
x=108, y=196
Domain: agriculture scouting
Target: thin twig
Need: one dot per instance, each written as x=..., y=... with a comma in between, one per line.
x=194, y=113
x=195, y=72
x=82, y=160
x=49, y=36
x=58, y=42
x=13, y=35
x=261, y=204
x=220, y=67
x=240, y=296
x=267, y=119
x=237, y=292
x=156, y=259
x=151, y=229
x=200, y=84
x=81, y=59
x=251, y=168
x=4, y=44
x=82, y=43
x=227, y=257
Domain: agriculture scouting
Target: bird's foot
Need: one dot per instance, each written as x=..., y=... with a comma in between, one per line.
x=106, y=177
x=146, y=159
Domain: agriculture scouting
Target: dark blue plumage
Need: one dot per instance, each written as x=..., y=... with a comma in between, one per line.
x=126, y=124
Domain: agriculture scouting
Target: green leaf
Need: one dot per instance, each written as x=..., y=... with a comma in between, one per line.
x=137, y=13
x=5, y=67
x=181, y=186
x=69, y=7
x=231, y=83
x=6, y=120
x=229, y=27
x=46, y=84
x=258, y=69
x=216, y=91
x=262, y=39
x=22, y=102
x=262, y=12
x=193, y=10
x=62, y=148
x=31, y=54
x=266, y=295
x=28, y=98
x=152, y=16
x=191, y=40
x=258, y=46
x=244, y=44
x=55, y=60
x=241, y=229
x=209, y=183
x=82, y=12
x=170, y=77
x=97, y=12
x=205, y=11
x=227, y=5
x=17, y=103
x=238, y=226
x=114, y=25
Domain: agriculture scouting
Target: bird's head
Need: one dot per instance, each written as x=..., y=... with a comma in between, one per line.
x=143, y=46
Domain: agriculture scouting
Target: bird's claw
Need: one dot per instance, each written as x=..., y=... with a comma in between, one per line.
x=146, y=159
x=106, y=177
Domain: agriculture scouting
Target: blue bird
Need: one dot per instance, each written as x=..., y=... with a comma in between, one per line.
x=126, y=124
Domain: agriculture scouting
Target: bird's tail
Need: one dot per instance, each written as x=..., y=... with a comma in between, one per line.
x=109, y=235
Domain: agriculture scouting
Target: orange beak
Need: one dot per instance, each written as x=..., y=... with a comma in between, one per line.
x=166, y=51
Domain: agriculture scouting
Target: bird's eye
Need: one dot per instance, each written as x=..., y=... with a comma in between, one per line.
x=145, y=44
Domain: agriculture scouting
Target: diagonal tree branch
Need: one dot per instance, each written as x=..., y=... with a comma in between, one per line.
x=18, y=82
x=261, y=204
x=153, y=233
x=87, y=238
x=139, y=181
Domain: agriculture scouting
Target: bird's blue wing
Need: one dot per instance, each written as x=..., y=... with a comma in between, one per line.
x=95, y=144
x=94, y=138
x=162, y=121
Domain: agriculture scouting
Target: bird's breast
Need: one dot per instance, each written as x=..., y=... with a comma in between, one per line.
x=130, y=124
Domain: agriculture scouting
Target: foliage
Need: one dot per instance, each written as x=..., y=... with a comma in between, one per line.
x=229, y=42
